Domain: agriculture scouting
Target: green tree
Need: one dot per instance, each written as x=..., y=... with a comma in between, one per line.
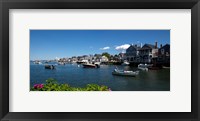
x=106, y=54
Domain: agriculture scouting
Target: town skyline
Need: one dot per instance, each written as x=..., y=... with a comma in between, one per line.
x=52, y=44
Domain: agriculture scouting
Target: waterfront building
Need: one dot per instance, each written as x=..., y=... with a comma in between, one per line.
x=148, y=53
x=74, y=59
x=91, y=58
x=98, y=57
x=116, y=58
x=164, y=54
x=85, y=57
x=111, y=59
x=132, y=53
x=122, y=56
x=104, y=59
x=80, y=58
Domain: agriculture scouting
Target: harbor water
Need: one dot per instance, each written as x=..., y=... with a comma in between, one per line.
x=77, y=76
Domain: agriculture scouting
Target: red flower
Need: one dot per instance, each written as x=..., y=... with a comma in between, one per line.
x=38, y=86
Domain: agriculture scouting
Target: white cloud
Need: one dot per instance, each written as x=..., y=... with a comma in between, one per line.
x=105, y=48
x=122, y=47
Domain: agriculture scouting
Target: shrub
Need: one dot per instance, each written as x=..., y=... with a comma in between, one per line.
x=52, y=85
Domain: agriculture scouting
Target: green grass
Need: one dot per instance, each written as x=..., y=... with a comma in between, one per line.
x=52, y=85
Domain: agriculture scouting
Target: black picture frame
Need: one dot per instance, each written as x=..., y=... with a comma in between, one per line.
x=5, y=5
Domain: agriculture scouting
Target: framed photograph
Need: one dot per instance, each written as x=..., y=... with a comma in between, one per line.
x=99, y=60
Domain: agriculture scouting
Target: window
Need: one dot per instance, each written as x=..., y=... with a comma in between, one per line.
x=162, y=51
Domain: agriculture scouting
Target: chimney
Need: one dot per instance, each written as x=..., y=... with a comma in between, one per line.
x=156, y=44
x=160, y=45
x=135, y=45
x=141, y=45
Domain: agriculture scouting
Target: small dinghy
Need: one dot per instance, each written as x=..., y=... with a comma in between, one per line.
x=125, y=73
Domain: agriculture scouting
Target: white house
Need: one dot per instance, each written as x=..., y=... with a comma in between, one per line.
x=104, y=59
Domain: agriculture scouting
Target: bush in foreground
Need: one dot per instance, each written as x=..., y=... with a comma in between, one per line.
x=52, y=85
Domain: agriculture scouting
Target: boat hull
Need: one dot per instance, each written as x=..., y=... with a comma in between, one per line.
x=118, y=74
x=49, y=67
x=143, y=68
x=125, y=73
x=90, y=66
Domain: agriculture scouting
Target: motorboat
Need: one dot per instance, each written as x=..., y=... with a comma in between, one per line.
x=82, y=62
x=37, y=62
x=50, y=67
x=90, y=65
x=125, y=73
x=144, y=67
x=125, y=63
x=61, y=63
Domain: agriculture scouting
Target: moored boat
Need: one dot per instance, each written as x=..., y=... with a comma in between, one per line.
x=125, y=63
x=90, y=65
x=125, y=73
x=79, y=62
x=37, y=62
x=61, y=63
x=144, y=67
x=82, y=62
x=49, y=67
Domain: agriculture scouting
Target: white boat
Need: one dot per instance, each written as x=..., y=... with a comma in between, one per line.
x=125, y=73
x=90, y=65
x=37, y=62
x=61, y=63
x=144, y=67
x=82, y=62
x=125, y=63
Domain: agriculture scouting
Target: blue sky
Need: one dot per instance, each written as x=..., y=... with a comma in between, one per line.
x=49, y=44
